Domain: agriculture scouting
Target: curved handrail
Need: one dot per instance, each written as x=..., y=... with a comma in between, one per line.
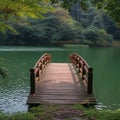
x=84, y=70
x=37, y=70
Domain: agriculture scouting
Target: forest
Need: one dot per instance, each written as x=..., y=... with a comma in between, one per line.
x=57, y=26
x=30, y=28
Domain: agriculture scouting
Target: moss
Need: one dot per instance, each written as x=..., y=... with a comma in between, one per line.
x=17, y=116
x=102, y=114
x=63, y=112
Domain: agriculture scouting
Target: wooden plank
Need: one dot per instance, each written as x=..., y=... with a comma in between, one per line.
x=85, y=101
x=57, y=91
x=59, y=83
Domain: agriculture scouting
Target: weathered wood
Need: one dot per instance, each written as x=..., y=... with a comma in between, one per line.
x=37, y=70
x=60, y=84
x=84, y=71
x=90, y=81
x=32, y=81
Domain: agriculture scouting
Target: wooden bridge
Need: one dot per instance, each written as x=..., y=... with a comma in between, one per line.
x=61, y=83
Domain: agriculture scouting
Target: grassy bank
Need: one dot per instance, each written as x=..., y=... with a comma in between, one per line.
x=63, y=112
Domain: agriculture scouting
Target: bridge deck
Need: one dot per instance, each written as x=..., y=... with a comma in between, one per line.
x=60, y=84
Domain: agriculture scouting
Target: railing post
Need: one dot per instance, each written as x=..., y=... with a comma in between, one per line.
x=32, y=81
x=50, y=58
x=70, y=58
x=90, y=81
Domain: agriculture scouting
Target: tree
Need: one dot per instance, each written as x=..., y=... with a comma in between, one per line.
x=91, y=34
x=57, y=26
x=112, y=7
x=68, y=3
x=97, y=37
x=111, y=27
x=104, y=39
x=14, y=10
x=98, y=20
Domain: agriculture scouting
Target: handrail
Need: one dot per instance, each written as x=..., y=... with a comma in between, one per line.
x=37, y=70
x=84, y=70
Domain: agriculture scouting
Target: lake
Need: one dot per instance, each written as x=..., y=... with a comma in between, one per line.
x=14, y=90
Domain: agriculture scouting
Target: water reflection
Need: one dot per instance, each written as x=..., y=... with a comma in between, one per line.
x=18, y=60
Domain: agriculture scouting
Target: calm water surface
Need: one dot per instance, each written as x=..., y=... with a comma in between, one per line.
x=18, y=60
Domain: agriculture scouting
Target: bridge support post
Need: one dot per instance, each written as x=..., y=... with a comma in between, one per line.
x=90, y=81
x=32, y=81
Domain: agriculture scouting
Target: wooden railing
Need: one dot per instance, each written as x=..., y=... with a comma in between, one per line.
x=84, y=70
x=37, y=70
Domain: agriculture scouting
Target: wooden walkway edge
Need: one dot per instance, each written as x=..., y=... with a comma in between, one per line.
x=60, y=83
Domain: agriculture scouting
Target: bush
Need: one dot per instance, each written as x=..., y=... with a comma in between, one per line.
x=17, y=116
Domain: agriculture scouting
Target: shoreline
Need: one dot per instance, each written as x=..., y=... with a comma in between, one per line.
x=63, y=112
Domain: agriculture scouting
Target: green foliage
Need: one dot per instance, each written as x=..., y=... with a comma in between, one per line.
x=113, y=9
x=104, y=39
x=97, y=37
x=44, y=112
x=64, y=112
x=13, y=11
x=55, y=27
x=103, y=114
x=91, y=33
x=17, y=116
x=4, y=27
x=93, y=27
x=79, y=107
x=110, y=6
x=68, y=3
x=98, y=19
x=94, y=114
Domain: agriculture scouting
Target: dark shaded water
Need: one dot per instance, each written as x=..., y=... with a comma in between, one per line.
x=18, y=60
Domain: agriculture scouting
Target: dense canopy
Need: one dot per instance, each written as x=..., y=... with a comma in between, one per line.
x=13, y=10
x=112, y=7
x=34, y=8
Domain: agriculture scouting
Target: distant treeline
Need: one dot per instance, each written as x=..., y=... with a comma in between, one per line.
x=92, y=27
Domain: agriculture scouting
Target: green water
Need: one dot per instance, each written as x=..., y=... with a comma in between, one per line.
x=18, y=60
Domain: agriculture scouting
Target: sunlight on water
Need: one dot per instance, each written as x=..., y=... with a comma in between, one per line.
x=101, y=106
x=31, y=49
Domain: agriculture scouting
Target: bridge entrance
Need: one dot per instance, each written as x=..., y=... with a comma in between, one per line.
x=61, y=83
